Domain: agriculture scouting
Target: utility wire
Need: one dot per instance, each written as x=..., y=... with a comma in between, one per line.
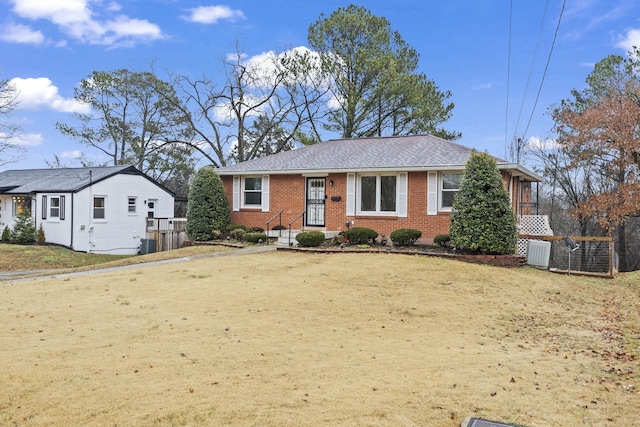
x=535, y=54
x=506, y=114
x=555, y=36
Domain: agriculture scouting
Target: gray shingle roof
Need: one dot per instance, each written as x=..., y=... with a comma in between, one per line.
x=386, y=153
x=56, y=180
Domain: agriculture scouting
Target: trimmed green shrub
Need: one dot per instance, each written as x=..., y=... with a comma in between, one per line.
x=405, y=236
x=216, y=234
x=208, y=207
x=482, y=220
x=237, y=227
x=360, y=235
x=40, y=237
x=255, y=237
x=310, y=239
x=255, y=230
x=6, y=234
x=237, y=233
x=24, y=231
x=442, y=240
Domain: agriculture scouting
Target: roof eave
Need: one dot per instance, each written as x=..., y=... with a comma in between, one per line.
x=341, y=170
x=519, y=170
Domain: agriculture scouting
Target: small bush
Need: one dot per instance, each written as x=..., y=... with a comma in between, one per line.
x=24, y=231
x=442, y=240
x=255, y=237
x=255, y=230
x=237, y=233
x=237, y=227
x=310, y=239
x=360, y=235
x=216, y=234
x=405, y=236
x=6, y=234
x=40, y=237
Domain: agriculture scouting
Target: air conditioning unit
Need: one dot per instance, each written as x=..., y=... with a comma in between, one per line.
x=148, y=246
x=538, y=253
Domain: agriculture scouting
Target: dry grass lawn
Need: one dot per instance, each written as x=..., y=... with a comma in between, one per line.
x=297, y=339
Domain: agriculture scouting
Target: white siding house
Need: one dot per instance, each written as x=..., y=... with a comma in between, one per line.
x=96, y=210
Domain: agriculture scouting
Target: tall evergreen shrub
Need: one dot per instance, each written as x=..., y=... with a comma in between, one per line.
x=208, y=207
x=24, y=230
x=482, y=220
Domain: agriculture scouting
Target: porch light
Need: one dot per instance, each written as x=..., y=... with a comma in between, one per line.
x=330, y=183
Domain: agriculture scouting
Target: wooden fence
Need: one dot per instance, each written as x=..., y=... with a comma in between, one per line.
x=167, y=233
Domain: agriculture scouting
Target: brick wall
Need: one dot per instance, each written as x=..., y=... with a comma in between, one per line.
x=287, y=193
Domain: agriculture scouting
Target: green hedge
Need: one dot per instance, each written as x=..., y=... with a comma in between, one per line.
x=310, y=239
x=360, y=235
x=255, y=237
x=442, y=240
x=405, y=236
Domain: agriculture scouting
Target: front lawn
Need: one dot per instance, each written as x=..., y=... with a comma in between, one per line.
x=305, y=339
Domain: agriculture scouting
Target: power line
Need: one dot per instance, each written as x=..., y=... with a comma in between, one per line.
x=555, y=36
x=535, y=54
x=506, y=114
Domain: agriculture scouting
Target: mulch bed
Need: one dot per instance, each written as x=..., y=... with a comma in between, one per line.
x=508, y=261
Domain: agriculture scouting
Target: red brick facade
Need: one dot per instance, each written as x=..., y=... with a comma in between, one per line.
x=287, y=194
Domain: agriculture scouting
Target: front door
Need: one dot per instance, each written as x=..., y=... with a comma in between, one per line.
x=315, y=201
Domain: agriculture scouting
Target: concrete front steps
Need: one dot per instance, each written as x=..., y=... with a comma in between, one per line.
x=284, y=240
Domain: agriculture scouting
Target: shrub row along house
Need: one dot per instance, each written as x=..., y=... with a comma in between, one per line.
x=96, y=210
x=383, y=183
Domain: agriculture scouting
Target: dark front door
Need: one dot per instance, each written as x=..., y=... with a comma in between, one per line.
x=315, y=201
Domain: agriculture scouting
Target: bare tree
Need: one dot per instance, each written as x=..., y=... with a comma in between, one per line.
x=267, y=104
x=10, y=150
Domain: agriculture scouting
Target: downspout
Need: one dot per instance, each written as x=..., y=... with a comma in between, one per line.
x=90, y=227
x=34, y=211
x=72, y=216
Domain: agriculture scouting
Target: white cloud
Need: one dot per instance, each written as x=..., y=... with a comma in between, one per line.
x=213, y=14
x=28, y=139
x=629, y=40
x=74, y=154
x=483, y=86
x=76, y=19
x=41, y=93
x=535, y=143
x=18, y=33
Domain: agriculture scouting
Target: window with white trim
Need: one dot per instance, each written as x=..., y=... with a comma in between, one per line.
x=449, y=187
x=54, y=207
x=377, y=194
x=99, y=207
x=132, y=206
x=252, y=192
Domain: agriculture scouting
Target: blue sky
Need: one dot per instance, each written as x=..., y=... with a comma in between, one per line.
x=49, y=46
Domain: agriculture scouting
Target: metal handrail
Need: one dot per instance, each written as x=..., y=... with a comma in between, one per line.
x=301, y=214
x=278, y=215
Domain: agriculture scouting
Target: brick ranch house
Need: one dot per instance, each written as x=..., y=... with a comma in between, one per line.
x=383, y=183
